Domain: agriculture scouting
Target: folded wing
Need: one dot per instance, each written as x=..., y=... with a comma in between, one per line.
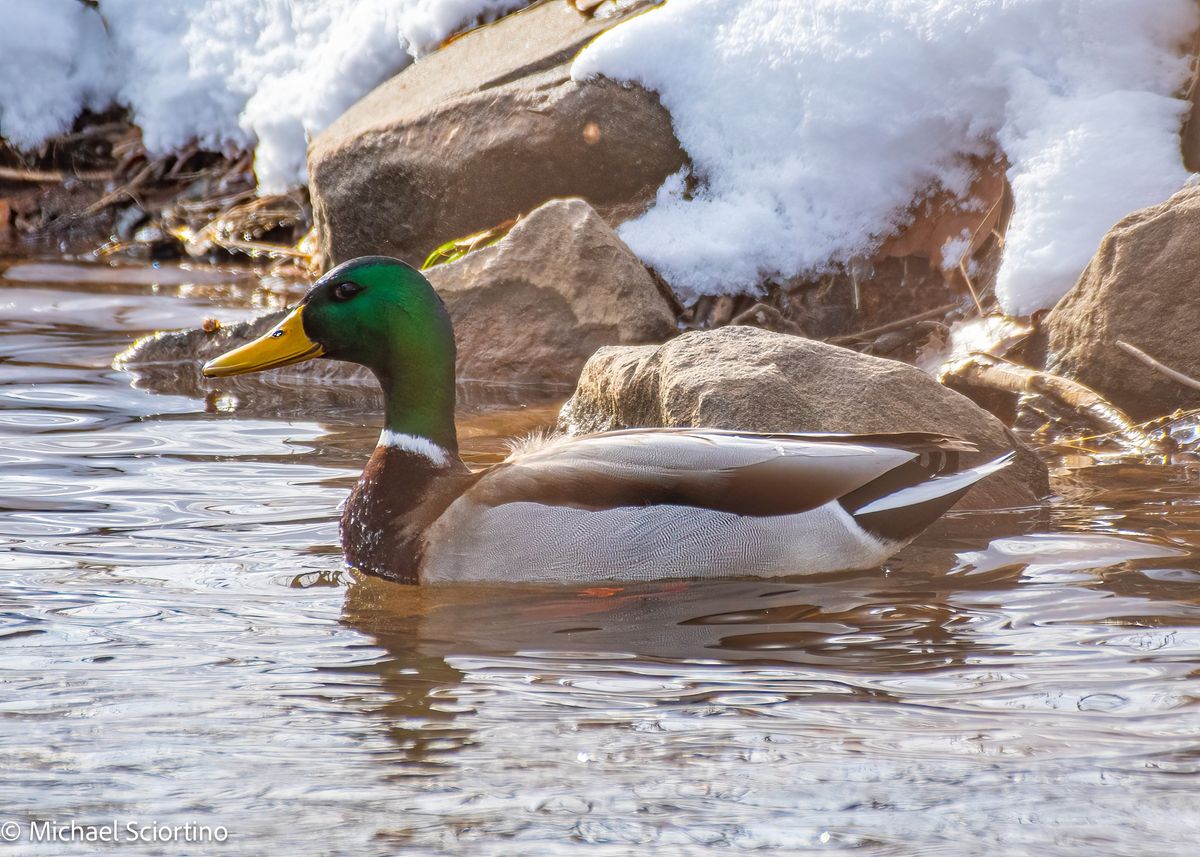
x=736, y=472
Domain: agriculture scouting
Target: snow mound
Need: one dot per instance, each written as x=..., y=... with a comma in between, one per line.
x=53, y=64
x=226, y=74
x=814, y=125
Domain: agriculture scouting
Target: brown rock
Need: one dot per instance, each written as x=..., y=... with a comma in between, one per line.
x=878, y=293
x=910, y=272
x=1190, y=133
x=751, y=379
x=529, y=310
x=1140, y=287
x=535, y=306
x=945, y=220
x=487, y=128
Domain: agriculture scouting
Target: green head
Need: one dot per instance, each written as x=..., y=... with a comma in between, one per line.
x=382, y=314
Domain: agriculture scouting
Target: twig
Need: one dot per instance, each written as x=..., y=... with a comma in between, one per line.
x=995, y=373
x=1173, y=374
x=847, y=338
x=89, y=132
x=962, y=269
x=992, y=231
x=16, y=174
x=261, y=248
x=126, y=189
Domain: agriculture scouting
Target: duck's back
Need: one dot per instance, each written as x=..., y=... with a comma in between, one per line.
x=653, y=504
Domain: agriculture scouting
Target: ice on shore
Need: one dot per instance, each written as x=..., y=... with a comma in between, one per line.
x=814, y=125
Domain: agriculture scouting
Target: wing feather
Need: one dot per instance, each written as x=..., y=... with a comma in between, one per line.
x=737, y=472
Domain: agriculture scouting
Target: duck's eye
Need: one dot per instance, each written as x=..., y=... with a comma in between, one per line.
x=345, y=291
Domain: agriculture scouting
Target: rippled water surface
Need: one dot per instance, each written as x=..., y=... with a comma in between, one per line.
x=179, y=643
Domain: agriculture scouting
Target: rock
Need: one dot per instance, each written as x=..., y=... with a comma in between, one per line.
x=876, y=293
x=173, y=347
x=528, y=310
x=169, y=363
x=533, y=308
x=746, y=378
x=1140, y=287
x=949, y=229
x=488, y=127
x=949, y=244
x=1190, y=133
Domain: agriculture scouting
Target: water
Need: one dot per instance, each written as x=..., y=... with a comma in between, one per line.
x=180, y=644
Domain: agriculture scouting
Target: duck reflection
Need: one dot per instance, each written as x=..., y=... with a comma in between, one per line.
x=928, y=629
x=836, y=636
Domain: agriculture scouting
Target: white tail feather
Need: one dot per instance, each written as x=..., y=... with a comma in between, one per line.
x=938, y=486
x=533, y=441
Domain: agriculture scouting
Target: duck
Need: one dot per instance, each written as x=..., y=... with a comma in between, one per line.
x=633, y=504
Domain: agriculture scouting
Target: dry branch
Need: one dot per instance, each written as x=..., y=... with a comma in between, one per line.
x=18, y=174
x=1173, y=374
x=126, y=189
x=848, y=338
x=985, y=371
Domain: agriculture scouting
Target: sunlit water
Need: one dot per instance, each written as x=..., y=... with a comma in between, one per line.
x=179, y=643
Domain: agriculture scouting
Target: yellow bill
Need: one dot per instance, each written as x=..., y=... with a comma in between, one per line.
x=284, y=344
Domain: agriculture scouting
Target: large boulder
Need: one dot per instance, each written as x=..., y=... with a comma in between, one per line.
x=486, y=128
x=1142, y=287
x=528, y=310
x=756, y=380
x=535, y=306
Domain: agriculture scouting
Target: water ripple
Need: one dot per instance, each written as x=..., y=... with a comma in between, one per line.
x=180, y=642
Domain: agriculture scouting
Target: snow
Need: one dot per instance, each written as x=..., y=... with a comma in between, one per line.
x=1087, y=165
x=955, y=250
x=814, y=125
x=226, y=74
x=49, y=68
x=233, y=73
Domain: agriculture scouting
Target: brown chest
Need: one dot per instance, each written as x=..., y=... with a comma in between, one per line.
x=396, y=499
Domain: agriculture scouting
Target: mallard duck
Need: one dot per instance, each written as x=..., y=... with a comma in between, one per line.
x=637, y=504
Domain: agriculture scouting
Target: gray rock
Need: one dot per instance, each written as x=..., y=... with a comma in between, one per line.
x=1140, y=287
x=488, y=127
x=757, y=380
x=528, y=311
x=169, y=362
x=175, y=347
